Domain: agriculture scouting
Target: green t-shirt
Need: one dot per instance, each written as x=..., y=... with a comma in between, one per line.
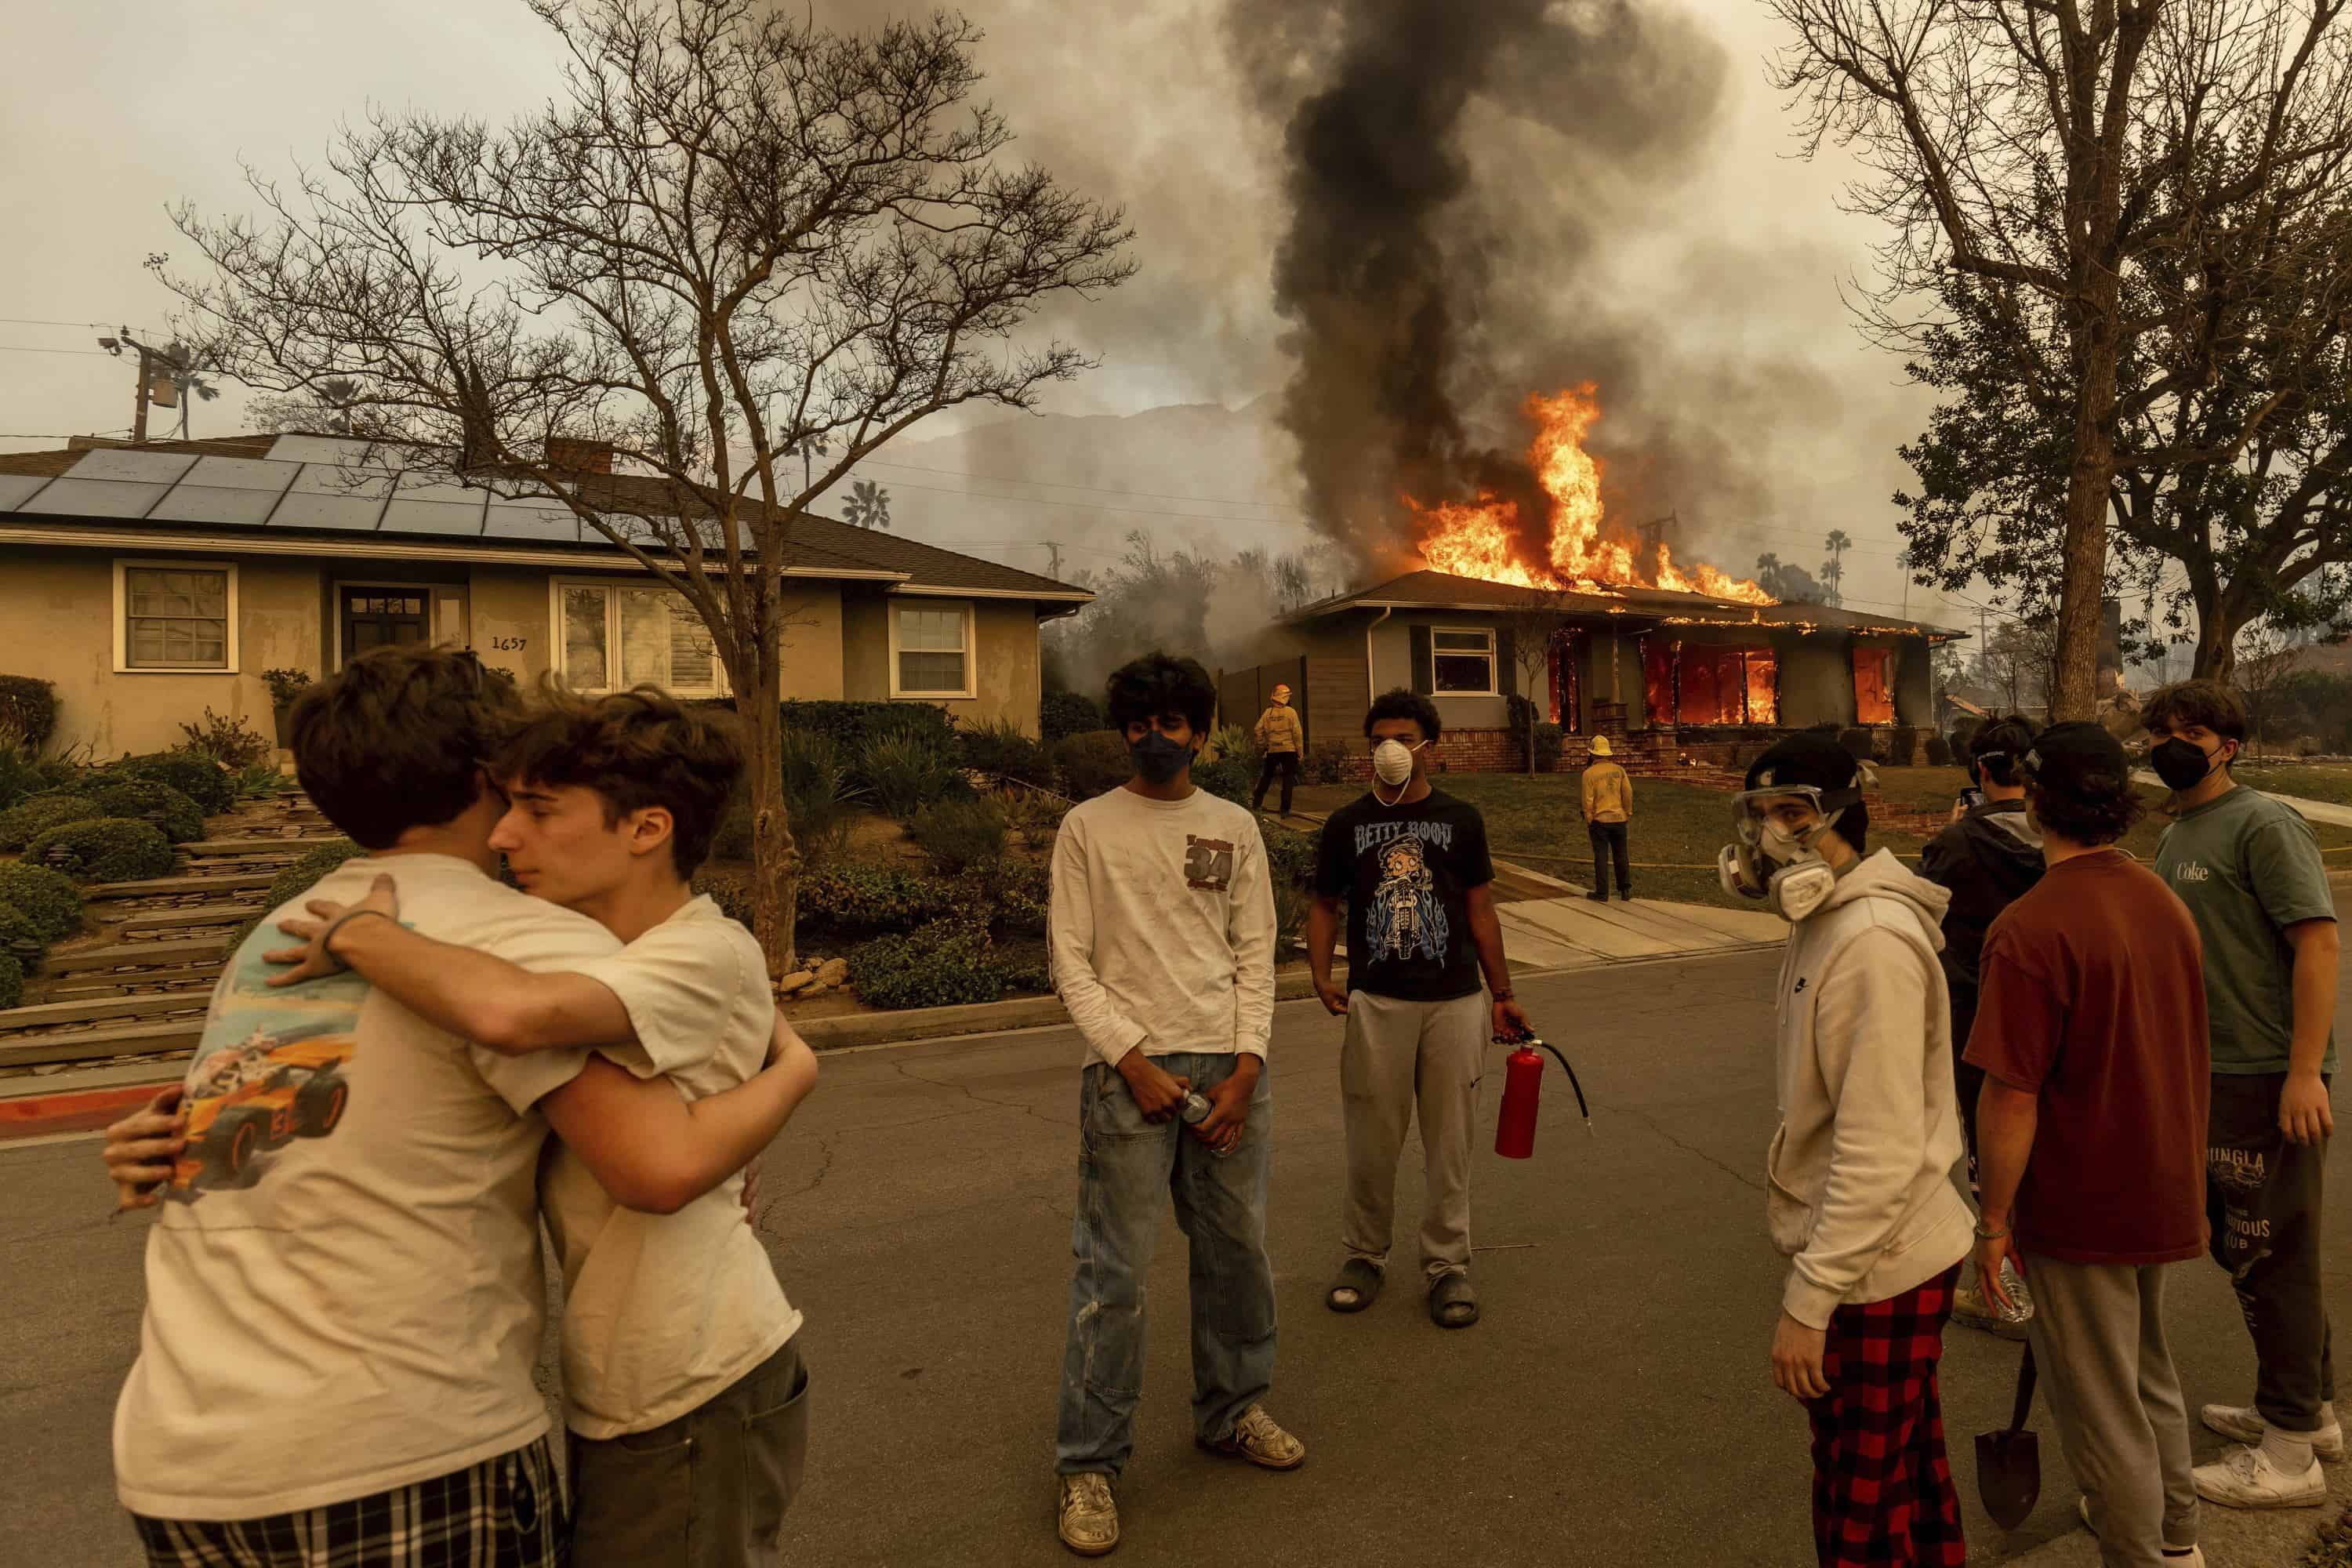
x=2248, y=867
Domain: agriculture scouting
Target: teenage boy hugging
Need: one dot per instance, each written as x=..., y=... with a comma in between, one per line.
x=1412, y=864
x=1162, y=948
x=344, y=1295
x=2248, y=867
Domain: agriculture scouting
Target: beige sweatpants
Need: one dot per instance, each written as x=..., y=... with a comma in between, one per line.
x=1400, y=1055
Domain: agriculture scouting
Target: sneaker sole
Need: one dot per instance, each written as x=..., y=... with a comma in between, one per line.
x=1079, y=1551
x=2328, y=1452
x=2265, y=1505
x=1235, y=1451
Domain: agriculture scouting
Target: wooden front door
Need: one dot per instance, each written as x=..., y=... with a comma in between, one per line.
x=384, y=617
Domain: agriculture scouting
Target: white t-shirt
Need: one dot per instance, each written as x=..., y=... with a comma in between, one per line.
x=344, y=1292
x=1162, y=926
x=662, y=1313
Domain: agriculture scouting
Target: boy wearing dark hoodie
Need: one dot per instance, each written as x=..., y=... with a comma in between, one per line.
x=1860, y=1196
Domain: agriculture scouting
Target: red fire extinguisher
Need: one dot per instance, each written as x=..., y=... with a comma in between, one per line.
x=1515, y=1133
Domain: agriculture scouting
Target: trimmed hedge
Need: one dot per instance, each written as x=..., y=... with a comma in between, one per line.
x=850, y=725
x=732, y=895
x=299, y=879
x=109, y=849
x=943, y=964
x=12, y=982
x=20, y=936
x=957, y=834
x=148, y=800
x=1092, y=762
x=193, y=775
x=29, y=706
x=859, y=899
x=1061, y=714
x=49, y=899
x=36, y=814
x=1228, y=778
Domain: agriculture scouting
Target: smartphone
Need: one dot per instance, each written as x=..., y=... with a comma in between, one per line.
x=1971, y=797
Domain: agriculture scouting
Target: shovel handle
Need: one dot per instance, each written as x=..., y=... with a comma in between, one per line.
x=2026, y=1374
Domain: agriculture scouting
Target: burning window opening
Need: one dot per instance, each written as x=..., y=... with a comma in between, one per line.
x=1486, y=539
x=1873, y=685
x=1706, y=683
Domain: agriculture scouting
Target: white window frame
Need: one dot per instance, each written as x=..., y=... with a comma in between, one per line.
x=964, y=607
x=123, y=665
x=559, y=661
x=1492, y=655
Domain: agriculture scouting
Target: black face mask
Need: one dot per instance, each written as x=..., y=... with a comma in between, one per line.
x=1158, y=759
x=2181, y=764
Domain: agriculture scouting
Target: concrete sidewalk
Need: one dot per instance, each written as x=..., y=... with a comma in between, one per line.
x=2312, y=810
x=1574, y=932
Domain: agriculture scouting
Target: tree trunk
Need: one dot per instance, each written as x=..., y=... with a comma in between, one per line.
x=775, y=858
x=2217, y=648
x=2085, y=580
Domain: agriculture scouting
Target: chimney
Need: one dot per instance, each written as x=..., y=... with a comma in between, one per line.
x=567, y=454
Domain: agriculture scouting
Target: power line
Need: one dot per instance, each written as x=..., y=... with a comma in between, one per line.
x=1067, y=485
x=29, y=349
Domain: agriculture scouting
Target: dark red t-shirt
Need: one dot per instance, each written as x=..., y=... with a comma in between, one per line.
x=2094, y=999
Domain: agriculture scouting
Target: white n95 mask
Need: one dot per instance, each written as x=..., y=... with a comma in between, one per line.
x=1392, y=762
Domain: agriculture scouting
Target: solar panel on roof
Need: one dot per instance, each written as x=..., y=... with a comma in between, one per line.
x=222, y=504
x=242, y=474
x=407, y=514
x=115, y=499
x=17, y=487
x=341, y=450
x=338, y=480
x=141, y=467
x=531, y=519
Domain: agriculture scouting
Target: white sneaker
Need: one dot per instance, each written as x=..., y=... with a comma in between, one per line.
x=2245, y=1478
x=2192, y=1558
x=2245, y=1423
x=1089, y=1518
x=1972, y=1310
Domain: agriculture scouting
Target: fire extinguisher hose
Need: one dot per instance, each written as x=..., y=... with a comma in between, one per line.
x=1538, y=1041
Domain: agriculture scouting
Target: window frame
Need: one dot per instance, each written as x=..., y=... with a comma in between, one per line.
x=559, y=659
x=122, y=567
x=898, y=606
x=1492, y=655
x=433, y=634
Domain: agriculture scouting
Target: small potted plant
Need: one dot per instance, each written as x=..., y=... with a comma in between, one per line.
x=285, y=687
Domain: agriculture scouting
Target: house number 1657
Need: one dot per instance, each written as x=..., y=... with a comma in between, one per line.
x=509, y=645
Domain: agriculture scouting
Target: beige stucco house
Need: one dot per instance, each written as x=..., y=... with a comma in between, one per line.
x=149, y=583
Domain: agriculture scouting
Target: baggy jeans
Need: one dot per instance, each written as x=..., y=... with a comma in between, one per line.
x=1126, y=1167
x=1399, y=1056
x=2263, y=1196
x=2107, y=1372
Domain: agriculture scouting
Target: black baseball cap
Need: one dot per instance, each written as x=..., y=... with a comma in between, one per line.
x=2078, y=758
x=1805, y=761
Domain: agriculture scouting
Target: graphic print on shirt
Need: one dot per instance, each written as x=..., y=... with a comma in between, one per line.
x=1405, y=920
x=268, y=1071
x=1208, y=863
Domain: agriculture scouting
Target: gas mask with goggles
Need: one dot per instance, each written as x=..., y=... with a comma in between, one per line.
x=1782, y=867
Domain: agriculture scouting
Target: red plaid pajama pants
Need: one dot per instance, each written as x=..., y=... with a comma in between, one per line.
x=1883, y=1494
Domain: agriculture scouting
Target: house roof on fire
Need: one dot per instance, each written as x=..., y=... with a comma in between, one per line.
x=1641, y=607
x=311, y=494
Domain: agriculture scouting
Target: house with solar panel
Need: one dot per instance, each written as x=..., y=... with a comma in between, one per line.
x=149, y=583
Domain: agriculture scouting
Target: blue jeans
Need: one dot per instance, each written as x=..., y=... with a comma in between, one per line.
x=1125, y=1165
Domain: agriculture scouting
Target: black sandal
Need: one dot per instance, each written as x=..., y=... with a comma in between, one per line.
x=1452, y=1303
x=1362, y=1277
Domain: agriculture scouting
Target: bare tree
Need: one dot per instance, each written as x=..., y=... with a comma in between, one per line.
x=2267, y=656
x=1532, y=621
x=2041, y=154
x=731, y=236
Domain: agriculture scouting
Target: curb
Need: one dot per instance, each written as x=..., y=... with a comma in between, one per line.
x=975, y=1018
x=85, y=1110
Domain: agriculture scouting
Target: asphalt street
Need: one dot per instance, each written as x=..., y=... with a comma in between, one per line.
x=1613, y=1408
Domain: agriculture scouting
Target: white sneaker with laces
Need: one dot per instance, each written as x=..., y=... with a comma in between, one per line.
x=2245, y=1423
x=1089, y=1518
x=2245, y=1478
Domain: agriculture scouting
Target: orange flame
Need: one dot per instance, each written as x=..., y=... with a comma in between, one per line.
x=1481, y=539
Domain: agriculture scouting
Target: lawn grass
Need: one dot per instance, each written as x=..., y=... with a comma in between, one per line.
x=2330, y=782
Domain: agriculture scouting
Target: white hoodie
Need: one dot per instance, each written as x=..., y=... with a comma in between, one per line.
x=1860, y=1173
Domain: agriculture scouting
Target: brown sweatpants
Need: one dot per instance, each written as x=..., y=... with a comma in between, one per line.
x=1399, y=1058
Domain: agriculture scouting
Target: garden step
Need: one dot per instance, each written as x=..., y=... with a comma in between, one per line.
x=188, y=915
x=161, y=887
x=135, y=955
x=215, y=848
x=116, y=1040
x=43, y=1015
x=187, y=978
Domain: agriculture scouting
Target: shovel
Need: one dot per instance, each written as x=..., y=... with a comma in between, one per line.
x=2008, y=1462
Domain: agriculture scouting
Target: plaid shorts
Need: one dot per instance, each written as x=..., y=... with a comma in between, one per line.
x=506, y=1512
x=1883, y=1493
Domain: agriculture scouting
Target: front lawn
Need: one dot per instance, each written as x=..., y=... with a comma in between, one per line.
x=2330, y=782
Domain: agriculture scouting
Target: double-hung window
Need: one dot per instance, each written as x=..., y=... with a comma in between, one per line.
x=171, y=615
x=617, y=635
x=1462, y=662
x=930, y=649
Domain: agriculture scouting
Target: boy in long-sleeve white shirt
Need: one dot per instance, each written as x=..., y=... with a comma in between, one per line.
x=1162, y=949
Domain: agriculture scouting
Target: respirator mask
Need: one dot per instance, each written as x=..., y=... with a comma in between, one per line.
x=1786, y=870
x=1392, y=762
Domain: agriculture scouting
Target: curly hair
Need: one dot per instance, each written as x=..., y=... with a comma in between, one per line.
x=1400, y=703
x=1161, y=683
x=635, y=749
x=2206, y=702
x=2000, y=746
x=396, y=740
x=2098, y=809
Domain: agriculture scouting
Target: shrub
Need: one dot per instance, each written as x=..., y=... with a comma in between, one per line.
x=1939, y=751
x=940, y=965
x=49, y=899
x=1092, y=762
x=298, y=879
x=28, y=710
x=956, y=833
x=20, y=937
x=105, y=850
x=12, y=982
x=1005, y=752
x=1022, y=966
x=285, y=686
x=20, y=773
x=1061, y=714
x=36, y=814
x=861, y=899
x=259, y=782
x=1326, y=762
x=1291, y=906
x=849, y=725
x=1228, y=778
x=173, y=814
x=818, y=796
x=1007, y=896
x=196, y=774
x=1289, y=856
x=1037, y=816
x=731, y=893
x=231, y=743
x=907, y=771
x=1858, y=744
x=1547, y=738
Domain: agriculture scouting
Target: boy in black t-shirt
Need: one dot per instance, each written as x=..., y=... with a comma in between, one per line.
x=1413, y=865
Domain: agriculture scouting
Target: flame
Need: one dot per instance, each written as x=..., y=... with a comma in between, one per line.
x=1482, y=539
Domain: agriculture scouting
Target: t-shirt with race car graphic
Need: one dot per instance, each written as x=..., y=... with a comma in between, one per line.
x=1406, y=872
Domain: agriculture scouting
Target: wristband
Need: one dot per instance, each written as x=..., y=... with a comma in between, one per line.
x=327, y=938
x=1503, y=995
x=2001, y=1235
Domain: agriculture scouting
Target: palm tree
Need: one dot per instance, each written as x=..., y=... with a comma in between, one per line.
x=868, y=505
x=1833, y=569
x=186, y=368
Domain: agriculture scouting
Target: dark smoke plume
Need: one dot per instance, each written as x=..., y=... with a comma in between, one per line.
x=1450, y=166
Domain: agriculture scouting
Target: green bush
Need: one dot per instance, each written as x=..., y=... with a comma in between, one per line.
x=1547, y=738
x=731, y=893
x=1939, y=751
x=1037, y=816
x=49, y=899
x=36, y=814
x=20, y=937
x=1006, y=896
x=173, y=814
x=860, y=898
x=20, y=773
x=1061, y=714
x=959, y=833
x=1229, y=778
x=1291, y=906
x=1002, y=752
x=849, y=725
x=12, y=982
x=1092, y=762
x=819, y=797
x=28, y=710
x=105, y=849
x=285, y=686
x=195, y=774
x=1289, y=856
x=262, y=781
x=1021, y=966
x=234, y=743
x=1858, y=744
x=1326, y=762
x=298, y=879
x=907, y=771
x=940, y=965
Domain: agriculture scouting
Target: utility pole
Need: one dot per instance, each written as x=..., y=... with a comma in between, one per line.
x=149, y=361
x=1053, y=548
x=1653, y=532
